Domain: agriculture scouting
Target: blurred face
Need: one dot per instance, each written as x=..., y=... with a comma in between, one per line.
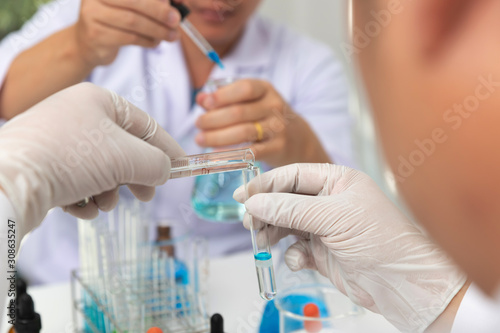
x=221, y=21
x=432, y=72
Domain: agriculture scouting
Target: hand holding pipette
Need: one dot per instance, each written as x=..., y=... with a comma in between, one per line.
x=103, y=27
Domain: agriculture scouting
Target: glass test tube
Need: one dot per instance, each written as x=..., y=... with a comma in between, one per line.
x=260, y=243
x=204, y=164
x=208, y=163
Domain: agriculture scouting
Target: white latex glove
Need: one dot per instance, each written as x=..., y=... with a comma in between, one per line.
x=83, y=141
x=354, y=235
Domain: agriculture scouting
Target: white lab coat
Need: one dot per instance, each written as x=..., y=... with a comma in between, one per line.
x=305, y=72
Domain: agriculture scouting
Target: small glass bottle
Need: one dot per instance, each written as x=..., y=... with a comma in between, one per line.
x=27, y=320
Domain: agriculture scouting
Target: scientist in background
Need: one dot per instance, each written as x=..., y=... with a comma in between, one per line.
x=433, y=78
x=52, y=156
x=295, y=109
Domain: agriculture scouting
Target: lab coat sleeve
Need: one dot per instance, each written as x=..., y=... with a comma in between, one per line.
x=9, y=241
x=323, y=101
x=477, y=313
x=49, y=19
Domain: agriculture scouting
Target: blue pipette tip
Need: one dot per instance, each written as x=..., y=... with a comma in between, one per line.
x=215, y=58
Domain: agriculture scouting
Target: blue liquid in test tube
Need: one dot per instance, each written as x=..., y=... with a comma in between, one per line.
x=265, y=275
x=260, y=242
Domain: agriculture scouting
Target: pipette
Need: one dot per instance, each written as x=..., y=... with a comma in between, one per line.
x=195, y=35
x=204, y=164
x=260, y=242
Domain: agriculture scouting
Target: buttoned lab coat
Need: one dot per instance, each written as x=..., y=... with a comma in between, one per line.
x=304, y=72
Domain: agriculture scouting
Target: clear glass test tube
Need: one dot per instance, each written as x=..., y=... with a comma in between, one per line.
x=260, y=242
x=204, y=164
x=208, y=163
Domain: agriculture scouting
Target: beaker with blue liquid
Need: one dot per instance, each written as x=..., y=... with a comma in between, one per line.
x=212, y=197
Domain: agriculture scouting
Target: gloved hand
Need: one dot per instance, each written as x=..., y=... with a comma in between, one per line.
x=83, y=141
x=353, y=234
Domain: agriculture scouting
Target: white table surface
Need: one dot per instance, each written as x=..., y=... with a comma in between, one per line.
x=233, y=292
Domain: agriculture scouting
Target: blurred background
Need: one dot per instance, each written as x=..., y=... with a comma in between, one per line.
x=325, y=20
x=329, y=22
x=13, y=13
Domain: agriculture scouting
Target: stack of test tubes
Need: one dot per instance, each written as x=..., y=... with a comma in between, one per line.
x=128, y=284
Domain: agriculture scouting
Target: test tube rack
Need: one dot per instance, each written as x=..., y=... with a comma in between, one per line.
x=127, y=284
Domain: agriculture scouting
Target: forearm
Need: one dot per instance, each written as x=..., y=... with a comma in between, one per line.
x=42, y=70
x=308, y=145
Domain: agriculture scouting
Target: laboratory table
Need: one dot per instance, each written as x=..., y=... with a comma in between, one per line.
x=233, y=292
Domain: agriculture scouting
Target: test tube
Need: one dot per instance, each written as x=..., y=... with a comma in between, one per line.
x=204, y=164
x=208, y=163
x=260, y=242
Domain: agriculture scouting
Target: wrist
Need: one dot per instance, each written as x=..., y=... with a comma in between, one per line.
x=79, y=50
x=29, y=194
x=313, y=151
x=444, y=322
x=7, y=209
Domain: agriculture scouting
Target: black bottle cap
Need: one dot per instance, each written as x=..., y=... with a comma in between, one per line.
x=20, y=287
x=181, y=8
x=27, y=321
x=216, y=324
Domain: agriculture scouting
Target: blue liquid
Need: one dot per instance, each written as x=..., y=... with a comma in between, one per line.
x=263, y=256
x=212, y=197
x=265, y=275
x=215, y=58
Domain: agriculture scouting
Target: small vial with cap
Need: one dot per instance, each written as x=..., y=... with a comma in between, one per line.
x=311, y=310
x=216, y=324
x=155, y=330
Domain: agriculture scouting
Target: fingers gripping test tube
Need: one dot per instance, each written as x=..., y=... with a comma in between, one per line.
x=260, y=242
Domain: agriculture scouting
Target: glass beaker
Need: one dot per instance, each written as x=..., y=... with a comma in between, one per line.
x=316, y=308
x=212, y=197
